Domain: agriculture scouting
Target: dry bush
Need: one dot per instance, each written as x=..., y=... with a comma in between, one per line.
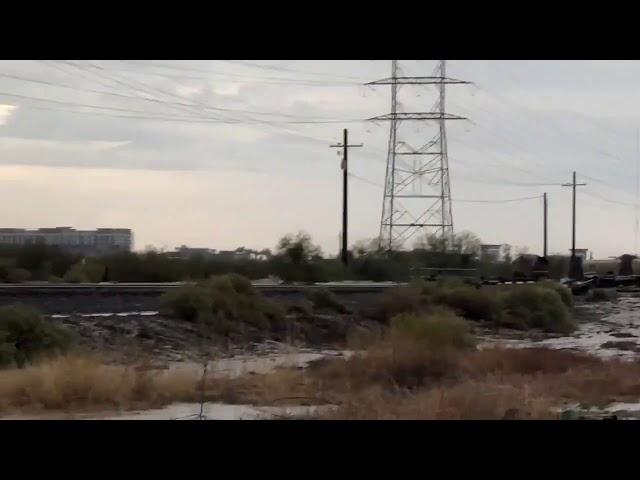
x=323, y=298
x=438, y=328
x=416, y=350
x=471, y=303
x=526, y=361
x=464, y=401
x=73, y=381
x=397, y=300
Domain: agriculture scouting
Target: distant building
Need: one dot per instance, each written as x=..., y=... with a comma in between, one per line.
x=188, y=252
x=582, y=253
x=490, y=253
x=90, y=242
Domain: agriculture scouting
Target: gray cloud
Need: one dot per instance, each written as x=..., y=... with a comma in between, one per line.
x=531, y=122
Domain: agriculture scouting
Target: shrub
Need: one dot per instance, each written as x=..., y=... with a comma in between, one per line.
x=471, y=303
x=537, y=307
x=88, y=272
x=76, y=275
x=25, y=335
x=186, y=302
x=222, y=301
x=324, y=298
x=18, y=275
x=55, y=279
x=7, y=349
x=397, y=300
x=565, y=293
x=440, y=328
x=302, y=307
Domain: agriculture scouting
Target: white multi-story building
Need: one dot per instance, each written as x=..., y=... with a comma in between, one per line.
x=102, y=240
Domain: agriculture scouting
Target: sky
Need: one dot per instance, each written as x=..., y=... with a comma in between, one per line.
x=223, y=154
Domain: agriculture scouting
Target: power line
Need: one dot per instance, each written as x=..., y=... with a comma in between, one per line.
x=506, y=200
x=521, y=199
x=290, y=70
x=507, y=139
x=245, y=78
x=164, y=102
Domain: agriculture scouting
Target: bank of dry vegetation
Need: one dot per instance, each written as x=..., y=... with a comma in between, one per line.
x=420, y=366
x=422, y=362
x=427, y=367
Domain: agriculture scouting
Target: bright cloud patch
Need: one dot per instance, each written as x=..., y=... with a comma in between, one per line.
x=5, y=113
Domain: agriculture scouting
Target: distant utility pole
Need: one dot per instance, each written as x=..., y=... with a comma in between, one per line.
x=635, y=243
x=575, y=270
x=544, y=253
x=345, y=175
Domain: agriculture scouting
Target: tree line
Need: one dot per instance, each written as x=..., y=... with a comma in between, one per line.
x=296, y=259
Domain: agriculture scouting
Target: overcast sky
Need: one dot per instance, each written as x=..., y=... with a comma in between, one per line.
x=209, y=154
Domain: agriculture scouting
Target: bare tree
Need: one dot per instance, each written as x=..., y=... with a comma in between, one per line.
x=506, y=252
x=464, y=242
x=467, y=242
x=298, y=248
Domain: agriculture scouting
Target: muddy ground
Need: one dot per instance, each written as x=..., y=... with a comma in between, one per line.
x=607, y=329
x=126, y=338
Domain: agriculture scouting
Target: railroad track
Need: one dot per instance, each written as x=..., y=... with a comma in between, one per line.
x=159, y=288
x=156, y=288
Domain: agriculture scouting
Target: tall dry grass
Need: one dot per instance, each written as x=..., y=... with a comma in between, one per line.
x=84, y=382
x=463, y=401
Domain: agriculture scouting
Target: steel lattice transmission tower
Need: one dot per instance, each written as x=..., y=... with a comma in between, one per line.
x=417, y=192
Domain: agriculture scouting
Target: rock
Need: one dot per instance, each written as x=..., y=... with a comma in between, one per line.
x=623, y=335
x=622, y=345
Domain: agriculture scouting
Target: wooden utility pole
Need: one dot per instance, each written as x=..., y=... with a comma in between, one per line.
x=575, y=271
x=345, y=174
x=544, y=250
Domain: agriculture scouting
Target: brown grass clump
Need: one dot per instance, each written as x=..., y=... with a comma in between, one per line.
x=526, y=361
x=73, y=381
x=399, y=300
x=447, y=383
x=464, y=401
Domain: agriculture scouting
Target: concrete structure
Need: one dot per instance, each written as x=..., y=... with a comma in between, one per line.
x=91, y=242
x=582, y=253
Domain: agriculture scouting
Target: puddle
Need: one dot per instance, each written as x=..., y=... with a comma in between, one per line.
x=257, y=364
x=97, y=315
x=220, y=411
x=190, y=411
x=623, y=411
x=612, y=331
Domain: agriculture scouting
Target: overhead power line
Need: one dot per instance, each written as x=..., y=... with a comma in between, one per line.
x=230, y=76
x=291, y=70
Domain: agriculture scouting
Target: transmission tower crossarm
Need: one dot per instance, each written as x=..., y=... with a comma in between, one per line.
x=417, y=81
x=417, y=116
